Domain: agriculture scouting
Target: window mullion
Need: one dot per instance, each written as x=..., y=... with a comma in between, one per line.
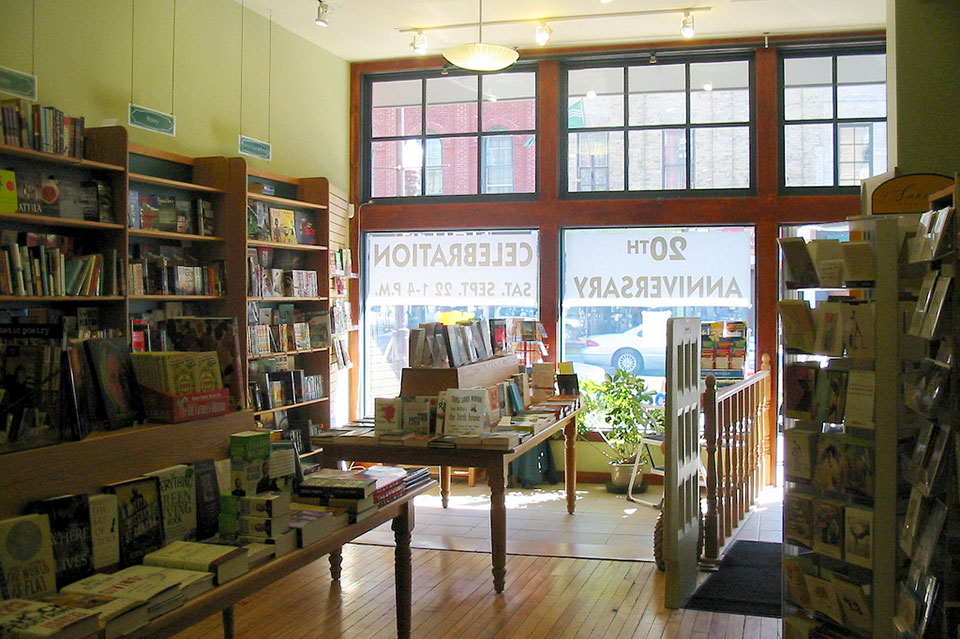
x=423, y=137
x=688, y=133
x=625, y=132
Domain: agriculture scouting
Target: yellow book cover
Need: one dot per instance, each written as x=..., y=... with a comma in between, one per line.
x=181, y=373
x=283, y=226
x=208, y=372
x=26, y=556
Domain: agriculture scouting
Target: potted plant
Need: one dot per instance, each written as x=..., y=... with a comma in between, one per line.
x=620, y=410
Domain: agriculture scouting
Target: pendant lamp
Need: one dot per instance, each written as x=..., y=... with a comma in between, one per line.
x=480, y=56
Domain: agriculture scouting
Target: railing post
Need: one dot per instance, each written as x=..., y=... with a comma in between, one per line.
x=711, y=548
x=767, y=438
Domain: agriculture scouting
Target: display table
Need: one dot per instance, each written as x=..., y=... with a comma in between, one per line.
x=223, y=598
x=494, y=461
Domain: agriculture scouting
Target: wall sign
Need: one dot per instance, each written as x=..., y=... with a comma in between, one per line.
x=254, y=148
x=22, y=85
x=144, y=118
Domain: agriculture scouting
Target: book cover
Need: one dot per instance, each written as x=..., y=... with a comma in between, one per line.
x=854, y=604
x=799, y=381
x=177, y=502
x=828, y=469
x=858, y=536
x=149, y=212
x=29, y=404
x=858, y=405
x=798, y=518
x=318, y=323
x=858, y=322
x=800, y=452
x=823, y=598
x=166, y=213
x=118, y=616
x=29, y=191
x=207, y=498
x=828, y=318
x=800, y=267
x=22, y=618
x=104, y=532
x=796, y=320
x=829, y=399
x=71, y=532
x=184, y=216
x=306, y=228
x=147, y=584
x=858, y=263
x=26, y=557
x=795, y=573
x=283, y=226
x=227, y=562
x=50, y=196
x=217, y=334
x=466, y=412
x=139, y=517
x=829, y=528
x=113, y=374
x=857, y=467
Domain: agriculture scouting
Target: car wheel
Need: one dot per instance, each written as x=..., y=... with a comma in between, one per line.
x=628, y=360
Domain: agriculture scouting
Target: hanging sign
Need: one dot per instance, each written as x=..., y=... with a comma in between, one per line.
x=657, y=267
x=254, y=148
x=157, y=121
x=455, y=268
x=17, y=83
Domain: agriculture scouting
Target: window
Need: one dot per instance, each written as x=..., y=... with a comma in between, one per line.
x=668, y=127
x=414, y=277
x=450, y=135
x=615, y=310
x=834, y=118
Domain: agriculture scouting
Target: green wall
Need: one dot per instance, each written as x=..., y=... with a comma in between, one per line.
x=84, y=50
x=924, y=37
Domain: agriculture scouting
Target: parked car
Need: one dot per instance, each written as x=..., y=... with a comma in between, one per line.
x=628, y=351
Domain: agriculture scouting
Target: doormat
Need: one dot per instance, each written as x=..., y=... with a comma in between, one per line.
x=747, y=582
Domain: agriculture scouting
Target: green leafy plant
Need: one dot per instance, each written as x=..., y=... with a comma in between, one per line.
x=620, y=410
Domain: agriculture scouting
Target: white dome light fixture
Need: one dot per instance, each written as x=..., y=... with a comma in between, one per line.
x=419, y=43
x=686, y=25
x=323, y=10
x=543, y=33
x=480, y=56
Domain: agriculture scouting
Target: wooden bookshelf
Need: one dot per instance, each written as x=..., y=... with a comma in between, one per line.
x=172, y=297
x=58, y=222
x=309, y=402
x=286, y=246
x=172, y=235
x=56, y=158
x=174, y=184
x=282, y=201
x=86, y=299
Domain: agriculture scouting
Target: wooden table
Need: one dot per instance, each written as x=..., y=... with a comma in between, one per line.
x=223, y=598
x=494, y=461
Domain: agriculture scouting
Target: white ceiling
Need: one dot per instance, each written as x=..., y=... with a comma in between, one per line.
x=368, y=29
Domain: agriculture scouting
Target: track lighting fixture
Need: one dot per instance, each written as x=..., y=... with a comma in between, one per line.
x=419, y=43
x=323, y=11
x=686, y=25
x=543, y=33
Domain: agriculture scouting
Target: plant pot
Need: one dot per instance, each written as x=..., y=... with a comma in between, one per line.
x=620, y=474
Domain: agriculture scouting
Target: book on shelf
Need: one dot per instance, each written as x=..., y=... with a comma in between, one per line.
x=854, y=604
x=139, y=517
x=70, y=529
x=937, y=318
x=795, y=571
x=283, y=226
x=823, y=598
x=858, y=263
x=225, y=562
x=306, y=230
x=828, y=534
x=828, y=321
x=30, y=125
x=217, y=334
x=113, y=374
x=799, y=332
x=923, y=302
x=858, y=535
x=258, y=221
x=829, y=397
x=177, y=502
x=26, y=557
x=828, y=467
x=801, y=271
x=30, y=407
x=23, y=618
x=798, y=520
x=103, y=531
x=152, y=586
x=856, y=466
x=800, y=381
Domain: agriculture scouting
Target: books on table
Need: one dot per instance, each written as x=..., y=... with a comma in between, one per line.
x=118, y=616
x=158, y=589
x=26, y=556
x=225, y=562
x=22, y=618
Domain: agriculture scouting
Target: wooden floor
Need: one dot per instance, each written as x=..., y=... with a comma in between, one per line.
x=545, y=597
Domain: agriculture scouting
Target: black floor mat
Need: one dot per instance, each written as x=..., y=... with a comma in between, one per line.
x=747, y=582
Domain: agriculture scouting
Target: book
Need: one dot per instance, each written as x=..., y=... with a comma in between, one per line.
x=225, y=562
x=858, y=536
x=306, y=230
x=113, y=373
x=828, y=468
x=26, y=557
x=153, y=586
x=801, y=271
x=858, y=334
x=217, y=334
x=118, y=616
x=71, y=533
x=799, y=381
x=177, y=502
x=856, y=467
x=207, y=498
x=854, y=604
x=828, y=319
x=829, y=528
x=798, y=518
x=796, y=320
x=166, y=213
x=103, y=531
x=829, y=399
x=827, y=257
x=149, y=212
x=283, y=226
x=823, y=598
x=22, y=618
x=795, y=573
x=139, y=517
x=858, y=263
x=337, y=485
x=314, y=523
x=29, y=191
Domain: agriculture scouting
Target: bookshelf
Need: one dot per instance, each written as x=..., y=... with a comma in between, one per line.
x=277, y=266
x=837, y=469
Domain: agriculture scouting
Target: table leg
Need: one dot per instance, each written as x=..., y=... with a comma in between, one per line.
x=402, y=524
x=496, y=478
x=445, y=472
x=336, y=560
x=227, y=615
x=570, y=463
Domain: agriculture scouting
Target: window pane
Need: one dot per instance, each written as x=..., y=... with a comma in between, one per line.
x=595, y=97
x=721, y=158
x=395, y=168
x=396, y=108
x=861, y=151
x=452, y=104
x=510, y=164
x=719, y=92
x=658, y=160
x=854, y=69
x=862, y=101
x=808, y=154
x=801, y=72
x=456, y=172
x=595, y=161
x=615, y=309
x=434, y=276
x=807, y=103
x=509, y=102
x=658, y=94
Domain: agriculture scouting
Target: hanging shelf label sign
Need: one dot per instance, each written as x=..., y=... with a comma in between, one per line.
x=255, y=148
x=157, y=121
x=22, y=85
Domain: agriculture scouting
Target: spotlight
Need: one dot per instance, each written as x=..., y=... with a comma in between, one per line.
x=605, y=1
x=543, y=33
x=323, y=10
x=419, y=43
x=686, y=25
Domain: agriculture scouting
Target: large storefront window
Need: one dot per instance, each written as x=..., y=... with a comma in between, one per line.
x=439, y=276
x=615, y=309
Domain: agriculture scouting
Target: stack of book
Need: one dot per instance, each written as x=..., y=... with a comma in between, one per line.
x=41, y=128
x=261, y=518
x=355, y=492
x=166, y=213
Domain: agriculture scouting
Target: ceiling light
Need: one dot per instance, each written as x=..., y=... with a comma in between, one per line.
x=686, y=25
x=323, y=10
x=543, y=33
x=419, y=43
x=591, y=94
x=605, y=1
x=480, y=56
